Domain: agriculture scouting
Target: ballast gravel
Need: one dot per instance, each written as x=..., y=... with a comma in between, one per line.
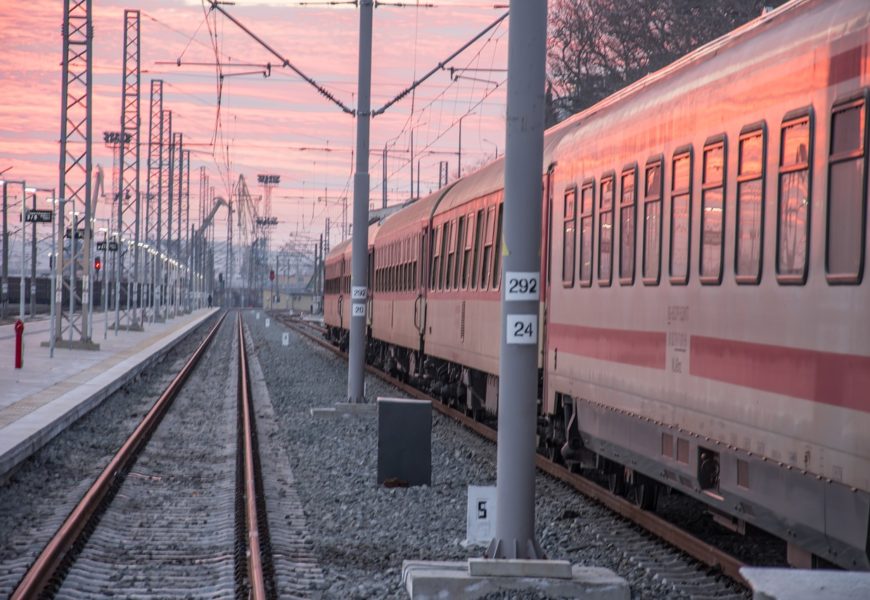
x=362, y=532
x=38, y=495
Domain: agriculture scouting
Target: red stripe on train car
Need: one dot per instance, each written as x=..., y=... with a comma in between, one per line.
x=639, y=348
x=827, y=377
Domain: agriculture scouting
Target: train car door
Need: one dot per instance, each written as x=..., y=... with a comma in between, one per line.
x=341, y=296
x=546, y=237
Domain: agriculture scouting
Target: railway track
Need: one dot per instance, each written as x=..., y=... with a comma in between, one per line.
x=179, y=509
x=638, y=548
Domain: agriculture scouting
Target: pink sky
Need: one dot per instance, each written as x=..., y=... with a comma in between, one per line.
x=275, y=125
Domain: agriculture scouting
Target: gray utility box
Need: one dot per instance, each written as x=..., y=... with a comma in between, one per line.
x=404, y=442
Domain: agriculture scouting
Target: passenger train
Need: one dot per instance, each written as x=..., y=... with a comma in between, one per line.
x=705, y=319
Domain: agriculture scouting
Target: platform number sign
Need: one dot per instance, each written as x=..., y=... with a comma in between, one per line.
x=522, y=329
x=358, y=292
x=522, y=286
x=358, y=310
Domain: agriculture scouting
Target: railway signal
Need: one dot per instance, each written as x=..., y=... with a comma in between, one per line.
x=98, y=264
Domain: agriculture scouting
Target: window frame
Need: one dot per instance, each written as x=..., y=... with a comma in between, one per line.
x=496, y=246
x=631, y=171
x=611, y=176
x=745, y=132
x=790, y=118
x=567, y=219
x=710, y=143
x=588, y=184
x=651, y=162
x=685, y=150
x=841, y=104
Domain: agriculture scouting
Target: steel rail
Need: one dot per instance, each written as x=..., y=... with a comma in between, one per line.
x=659, y=527
x=42, y=571
x=255, y=560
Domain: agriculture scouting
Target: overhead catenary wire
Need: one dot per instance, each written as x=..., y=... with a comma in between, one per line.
x=284, y=61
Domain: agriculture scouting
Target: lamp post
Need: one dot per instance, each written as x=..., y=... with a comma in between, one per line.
x=4, y=284
x=33, y=252
x=494, y=144
x=56, y=298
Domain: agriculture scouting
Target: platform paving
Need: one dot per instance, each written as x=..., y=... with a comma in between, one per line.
x=47, y=394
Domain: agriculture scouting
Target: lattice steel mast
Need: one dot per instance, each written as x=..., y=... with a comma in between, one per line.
x=152, y=191
x=75, y=173
x=129, y=210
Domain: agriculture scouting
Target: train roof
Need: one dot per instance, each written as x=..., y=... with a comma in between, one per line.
x=663, y=80
x=412, y=216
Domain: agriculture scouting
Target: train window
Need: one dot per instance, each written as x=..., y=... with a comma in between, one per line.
x=451, y=251
x=436, y=260
x=478, y=240
x=713, y=210
x=467, y=245
x=847, y=192
x=569, y=235
x=793, y=206
x=445, y=257
x=496, y=261
x=460, y=243
x=652, y=222
x=587, y=205
x=605, y=230
x=752, y=148
x=486, y=263
x=681, y=215
x=626, y=226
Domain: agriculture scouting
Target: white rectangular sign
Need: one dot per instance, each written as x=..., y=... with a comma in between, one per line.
x=358, y=310
x=257, y=314
x=358, y=292
x=522, y=329
x=480, y=527
x=285, y=339
x=522, y=286
x=268, y=321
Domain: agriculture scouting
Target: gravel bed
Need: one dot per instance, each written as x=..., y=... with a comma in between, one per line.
x=362, y=532
x=43, y=490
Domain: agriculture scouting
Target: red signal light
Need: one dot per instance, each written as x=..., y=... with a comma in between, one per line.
x=98, y=264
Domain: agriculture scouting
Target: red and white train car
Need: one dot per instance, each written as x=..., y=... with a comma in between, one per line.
x=709, y=322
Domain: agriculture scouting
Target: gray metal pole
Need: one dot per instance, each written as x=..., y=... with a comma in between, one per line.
x=54, y=302
x=4, y=284
x=518, y=365
x=23, y=251
x=360, y=242
x=33, y=263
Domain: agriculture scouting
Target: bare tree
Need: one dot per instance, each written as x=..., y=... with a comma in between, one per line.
x=599, y=46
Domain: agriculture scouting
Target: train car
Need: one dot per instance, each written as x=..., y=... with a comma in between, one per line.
x=709, y=325
x=399, y=286
x=336, y=289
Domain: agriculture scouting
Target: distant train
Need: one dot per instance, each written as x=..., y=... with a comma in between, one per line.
x=706, y=323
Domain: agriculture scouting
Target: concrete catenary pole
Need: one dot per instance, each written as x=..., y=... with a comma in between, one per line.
x=518, y=365
x=360, y=241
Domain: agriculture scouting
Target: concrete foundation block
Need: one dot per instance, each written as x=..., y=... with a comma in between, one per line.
x=485, y=567
x=425, y=580
x=797, y=584
x=345, y=409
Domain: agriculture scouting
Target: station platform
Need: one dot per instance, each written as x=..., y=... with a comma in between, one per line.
x=41, y=399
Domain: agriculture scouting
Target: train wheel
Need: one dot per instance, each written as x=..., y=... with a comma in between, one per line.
x=644, y=492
